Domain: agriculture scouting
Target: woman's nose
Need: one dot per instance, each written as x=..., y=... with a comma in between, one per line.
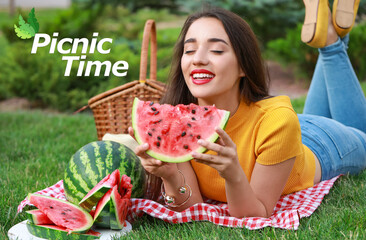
x=200, y=57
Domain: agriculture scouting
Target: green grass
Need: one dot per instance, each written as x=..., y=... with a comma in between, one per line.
x=36, y=146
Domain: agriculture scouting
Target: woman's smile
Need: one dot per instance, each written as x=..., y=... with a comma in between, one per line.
x=201, y=76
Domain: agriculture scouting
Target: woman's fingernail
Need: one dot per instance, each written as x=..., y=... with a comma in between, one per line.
x=145, y=145
x=194, y=154
x=200, y=142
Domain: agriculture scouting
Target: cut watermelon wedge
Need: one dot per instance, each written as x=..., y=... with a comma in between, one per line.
x=172, y=132
x=97, y=192
x=102, y=211
x=118, y=209
x=57, y=232
x=37, y=217
x=111, y=210
x=65, y=214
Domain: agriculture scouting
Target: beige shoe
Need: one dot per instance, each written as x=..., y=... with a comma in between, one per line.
x=315, y=27
x=344, y=15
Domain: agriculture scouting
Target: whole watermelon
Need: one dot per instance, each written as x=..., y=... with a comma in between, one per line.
x=91, y=163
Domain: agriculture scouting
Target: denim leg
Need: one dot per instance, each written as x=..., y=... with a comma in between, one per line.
x=317, y=99
x=340, y=149
x=347, y=102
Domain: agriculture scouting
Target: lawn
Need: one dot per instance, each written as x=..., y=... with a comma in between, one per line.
x=35, y=147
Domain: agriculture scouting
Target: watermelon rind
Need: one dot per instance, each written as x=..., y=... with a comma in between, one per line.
x=55, y=232
x=37, y=217
x=104, y=217
x=163, y=157
x=95, y=194
x=102, y=211
x=59, y=217
x=92, y=162
x=118, y=209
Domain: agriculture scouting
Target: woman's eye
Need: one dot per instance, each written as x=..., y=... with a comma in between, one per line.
x=189, y=51
x=217, y=51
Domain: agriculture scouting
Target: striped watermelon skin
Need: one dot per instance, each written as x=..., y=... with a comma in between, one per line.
x=55, y=232
x=104, y=217
x=91, y=163
x=37, y=217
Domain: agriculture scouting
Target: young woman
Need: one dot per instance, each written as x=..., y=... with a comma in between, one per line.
x=266, y=150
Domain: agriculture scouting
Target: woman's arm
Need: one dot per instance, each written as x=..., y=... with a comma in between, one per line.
x=254, y=199
x=172, y=178
x=259, y=197
x=173, y=182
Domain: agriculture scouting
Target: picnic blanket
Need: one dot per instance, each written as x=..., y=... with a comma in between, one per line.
x=287, y=213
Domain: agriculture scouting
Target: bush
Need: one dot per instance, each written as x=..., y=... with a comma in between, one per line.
x=40, y=77
x=291, y=52
x=357, y=50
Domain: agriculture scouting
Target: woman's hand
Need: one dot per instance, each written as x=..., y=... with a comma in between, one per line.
x=152, y=165
x=226, y=161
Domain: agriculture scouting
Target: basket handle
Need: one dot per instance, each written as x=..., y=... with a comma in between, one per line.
x=149, y=33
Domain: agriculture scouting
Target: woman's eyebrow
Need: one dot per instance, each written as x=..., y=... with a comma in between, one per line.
x=217, y=40
x=193, y=40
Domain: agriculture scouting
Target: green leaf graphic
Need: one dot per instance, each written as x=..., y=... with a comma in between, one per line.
x=29, y=29
x=24, y=31
x=32, y=20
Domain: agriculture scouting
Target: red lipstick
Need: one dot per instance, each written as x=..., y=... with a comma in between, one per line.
x=201, y=76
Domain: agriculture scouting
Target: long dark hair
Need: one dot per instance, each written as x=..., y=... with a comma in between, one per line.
x=253, y=87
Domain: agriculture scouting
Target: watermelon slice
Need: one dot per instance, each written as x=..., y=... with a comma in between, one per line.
x=111, y=210
x=172, y=132
x=63, y=213
x=37, y=217
x=120, y=204
x=57, y=232
x=97, y=192
x=102, y=211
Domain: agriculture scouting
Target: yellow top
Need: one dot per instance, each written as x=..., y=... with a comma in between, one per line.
x=267, y=132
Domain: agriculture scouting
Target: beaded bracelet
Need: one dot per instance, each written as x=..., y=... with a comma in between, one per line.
x=170, y=201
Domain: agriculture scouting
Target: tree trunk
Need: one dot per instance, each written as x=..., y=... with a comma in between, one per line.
x=11, y=7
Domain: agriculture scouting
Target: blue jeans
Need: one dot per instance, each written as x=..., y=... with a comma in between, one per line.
x=333, y=124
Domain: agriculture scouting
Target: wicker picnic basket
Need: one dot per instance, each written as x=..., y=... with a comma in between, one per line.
x=112, y=109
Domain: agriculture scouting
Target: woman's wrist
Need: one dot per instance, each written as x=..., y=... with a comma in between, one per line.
x=236, y=176
x=176, y=192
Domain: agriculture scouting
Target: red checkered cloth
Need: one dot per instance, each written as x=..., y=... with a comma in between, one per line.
x=287, y=213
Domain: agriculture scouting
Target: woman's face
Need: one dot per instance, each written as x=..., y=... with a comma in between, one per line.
x=209, y=64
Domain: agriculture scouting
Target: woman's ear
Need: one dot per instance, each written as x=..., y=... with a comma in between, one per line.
x=241, y=73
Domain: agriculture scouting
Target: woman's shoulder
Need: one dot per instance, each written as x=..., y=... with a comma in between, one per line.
x=272, y=103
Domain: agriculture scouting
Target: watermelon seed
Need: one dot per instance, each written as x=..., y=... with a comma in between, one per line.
x=183, y=134
x=149, y=133
x=185, y=146
x=158, y=144
x=151, y=103
x=198, y=137
x=193, y=111
x=193, y=119
x=189, y=125
x=206, y=108
x=51, y=207
x=157, y=121
x=63, y=213
x=159, y=138
x=156, y=112
x=154, y=109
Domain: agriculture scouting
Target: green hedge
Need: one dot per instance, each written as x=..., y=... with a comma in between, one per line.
x=291, y=52
x=40, y=77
